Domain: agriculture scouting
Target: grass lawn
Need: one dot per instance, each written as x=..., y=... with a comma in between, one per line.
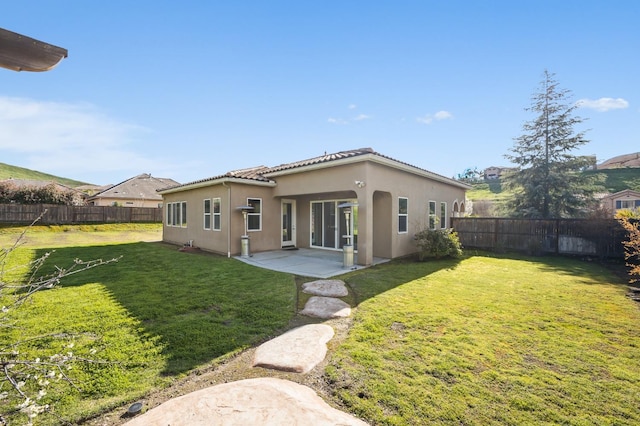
x=490, y=340
x=481, y=340
x=153, y=316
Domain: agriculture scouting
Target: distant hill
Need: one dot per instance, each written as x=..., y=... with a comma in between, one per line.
x=626, y=160
x=7, y=171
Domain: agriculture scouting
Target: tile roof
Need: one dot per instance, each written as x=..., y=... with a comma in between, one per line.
x=323, y=159
x=143, y=186
x=262, y=173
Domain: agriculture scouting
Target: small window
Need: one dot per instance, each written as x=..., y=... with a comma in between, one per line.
x=177, y=214
x=183, y=215
x=207, y=214
x=217, y=211
x=403, y=214
x=433, y=219
x=254, y=217
x=443, y=215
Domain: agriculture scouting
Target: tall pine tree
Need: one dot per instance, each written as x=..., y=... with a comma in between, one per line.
x=548, y=182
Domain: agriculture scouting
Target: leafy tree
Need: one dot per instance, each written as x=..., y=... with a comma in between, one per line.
x=470, y=175
x=630, y=221
x=547, y=182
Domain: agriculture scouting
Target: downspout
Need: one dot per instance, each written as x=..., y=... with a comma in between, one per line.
x=228, y=218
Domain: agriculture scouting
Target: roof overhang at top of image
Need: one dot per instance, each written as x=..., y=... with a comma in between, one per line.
x=22, y=53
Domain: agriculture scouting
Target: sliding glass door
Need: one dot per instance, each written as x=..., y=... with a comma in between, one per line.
x=329, y=224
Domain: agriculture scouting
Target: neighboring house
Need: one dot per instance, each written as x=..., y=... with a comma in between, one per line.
x=300, y=205
x=491, y=173
x=623, y=200
x=139, y=191
x=77, y=196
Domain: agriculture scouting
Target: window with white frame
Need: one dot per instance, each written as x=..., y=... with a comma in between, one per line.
x=403, y=214
x=254, y=216
x=217, y=212
x=627, y=204
x=207, y=214
x=443, y=215
x=433, y=219
x=177, y=214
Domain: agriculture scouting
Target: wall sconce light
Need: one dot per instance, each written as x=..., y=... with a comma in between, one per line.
x=360, y=184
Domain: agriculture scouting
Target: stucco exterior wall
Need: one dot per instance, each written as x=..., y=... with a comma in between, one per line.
x=126, y=202
x=226, y=240
x=375, y=186
x=628, y=196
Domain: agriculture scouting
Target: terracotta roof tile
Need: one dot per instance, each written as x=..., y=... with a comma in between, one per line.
x=261, y=173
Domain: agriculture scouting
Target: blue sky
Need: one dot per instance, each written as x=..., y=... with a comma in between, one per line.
x=192, y=89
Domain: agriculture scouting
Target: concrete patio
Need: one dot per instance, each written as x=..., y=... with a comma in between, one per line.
x=316, y=263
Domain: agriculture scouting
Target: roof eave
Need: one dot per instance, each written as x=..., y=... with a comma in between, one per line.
x=212, y=182
x=22, y=53
x=373, y=158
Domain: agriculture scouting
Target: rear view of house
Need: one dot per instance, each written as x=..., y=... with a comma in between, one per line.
x=357, y=197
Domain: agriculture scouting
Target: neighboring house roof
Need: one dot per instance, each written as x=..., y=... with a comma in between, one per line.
x=262, y=174
x=624, y=193
x=143, y=186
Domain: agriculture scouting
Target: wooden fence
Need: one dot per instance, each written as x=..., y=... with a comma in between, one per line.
x=598, y=238
x=66, y=215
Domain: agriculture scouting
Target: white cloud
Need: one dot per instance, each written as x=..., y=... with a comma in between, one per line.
x=438, y=116
x=344, y=121
x=69, y=139
x=603, y=104
x=352, y=106
x=443, y=115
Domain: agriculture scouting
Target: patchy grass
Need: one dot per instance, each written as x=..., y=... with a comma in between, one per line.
x=153, y=316
x=490, y=341
x=81, y=235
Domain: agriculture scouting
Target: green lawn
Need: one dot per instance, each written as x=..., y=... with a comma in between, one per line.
x=490, y=340
x=153, y=316
x=481, y=340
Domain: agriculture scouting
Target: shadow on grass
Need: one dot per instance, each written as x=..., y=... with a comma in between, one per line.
x=370, y=282
x=200, y=306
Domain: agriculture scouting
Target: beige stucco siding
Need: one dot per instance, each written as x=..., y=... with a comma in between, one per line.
x=377, y=200
x=227, y=239
x=126, y=202
x=628, y=197
x=374, y=183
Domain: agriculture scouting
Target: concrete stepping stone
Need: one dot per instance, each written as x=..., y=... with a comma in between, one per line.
x=330, y=288
x=263, y=401
x=298, y=350
x=326, y=308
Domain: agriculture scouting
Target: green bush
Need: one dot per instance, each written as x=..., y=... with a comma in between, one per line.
x=438, y=243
